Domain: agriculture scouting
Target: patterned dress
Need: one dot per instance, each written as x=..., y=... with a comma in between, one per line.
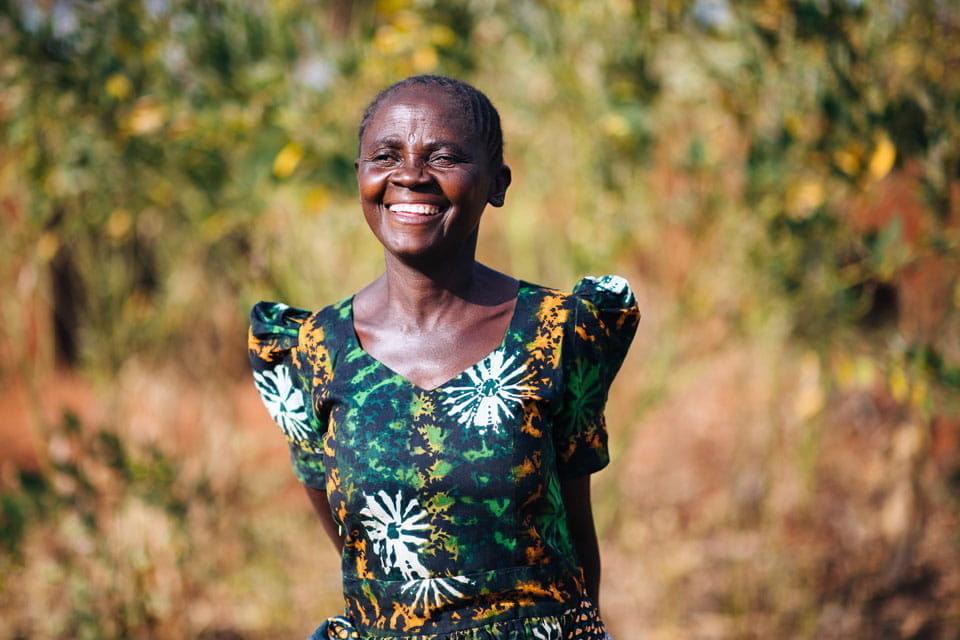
x=449, y=498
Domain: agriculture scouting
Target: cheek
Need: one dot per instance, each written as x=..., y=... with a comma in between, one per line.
x=371, y=216
x=370, y=184
x=467, y=186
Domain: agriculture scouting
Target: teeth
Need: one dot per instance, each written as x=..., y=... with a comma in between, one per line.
x=416, y=209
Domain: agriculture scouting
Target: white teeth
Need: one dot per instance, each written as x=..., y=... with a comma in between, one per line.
x=416, y=209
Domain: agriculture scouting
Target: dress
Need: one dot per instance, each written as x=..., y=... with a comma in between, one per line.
x=449, y=498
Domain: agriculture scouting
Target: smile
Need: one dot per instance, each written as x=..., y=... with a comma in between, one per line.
x=415, y=209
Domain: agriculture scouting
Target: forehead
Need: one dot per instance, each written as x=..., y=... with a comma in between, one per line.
x=427, y=113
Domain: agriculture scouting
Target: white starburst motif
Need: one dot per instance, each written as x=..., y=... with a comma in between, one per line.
x=284, y=401
x=493, y=394
x=395, y=533
x=548, y=630
x=434, y=591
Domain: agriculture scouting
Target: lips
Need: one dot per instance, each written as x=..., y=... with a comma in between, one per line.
x=415, y=209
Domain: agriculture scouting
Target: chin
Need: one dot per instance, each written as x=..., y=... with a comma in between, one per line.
x=412, y=255
x=419, y=248
x=422, y=255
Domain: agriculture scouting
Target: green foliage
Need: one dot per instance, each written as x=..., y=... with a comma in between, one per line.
x=150, y=138
x=844, y=98
x=18, y=508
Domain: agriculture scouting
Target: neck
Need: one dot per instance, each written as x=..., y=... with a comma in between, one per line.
x=451, y=273
x=424, y=295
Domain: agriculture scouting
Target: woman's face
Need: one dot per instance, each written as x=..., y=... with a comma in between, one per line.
x=424, y=176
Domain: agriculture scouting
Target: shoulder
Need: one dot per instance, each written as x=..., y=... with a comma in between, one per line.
x=604, y=315
x=608, y=297
x=274, y=330
x=327, y=321
x=277, y=329
x=276, y=318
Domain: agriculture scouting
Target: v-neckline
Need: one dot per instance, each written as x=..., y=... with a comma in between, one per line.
x=356, y=344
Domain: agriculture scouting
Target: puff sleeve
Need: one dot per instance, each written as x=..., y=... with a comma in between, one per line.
x=284, y=385
x=599, y=330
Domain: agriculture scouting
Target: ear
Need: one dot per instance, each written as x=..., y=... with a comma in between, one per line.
x=498, y=185
x=356, y=175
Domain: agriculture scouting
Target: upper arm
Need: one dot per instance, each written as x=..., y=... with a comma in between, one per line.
x=576, y=502
x=321, y=504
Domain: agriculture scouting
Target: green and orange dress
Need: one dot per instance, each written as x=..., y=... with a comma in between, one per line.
x=449, y=498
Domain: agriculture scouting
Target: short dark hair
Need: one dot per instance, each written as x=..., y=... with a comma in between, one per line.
x=476, y=106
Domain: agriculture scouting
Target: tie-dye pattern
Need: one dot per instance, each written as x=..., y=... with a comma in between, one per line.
x=449, y=498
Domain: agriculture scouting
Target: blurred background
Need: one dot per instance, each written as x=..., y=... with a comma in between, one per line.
x=779, y=179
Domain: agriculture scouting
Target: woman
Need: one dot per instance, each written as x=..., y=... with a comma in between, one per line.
x=446, y=419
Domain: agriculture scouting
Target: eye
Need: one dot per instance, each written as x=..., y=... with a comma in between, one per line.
x=445, y=159
x=384, y=158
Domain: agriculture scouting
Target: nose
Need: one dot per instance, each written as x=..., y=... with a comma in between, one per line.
x=411, y=173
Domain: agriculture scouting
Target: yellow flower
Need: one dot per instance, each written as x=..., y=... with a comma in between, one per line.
x=287, y=160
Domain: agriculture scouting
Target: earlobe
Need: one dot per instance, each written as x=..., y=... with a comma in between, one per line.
x=498, y=186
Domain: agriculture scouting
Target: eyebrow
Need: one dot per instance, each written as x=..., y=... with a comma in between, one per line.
x=389, y=141
x=396, y=142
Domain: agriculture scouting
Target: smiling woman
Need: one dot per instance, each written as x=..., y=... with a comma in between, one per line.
x=446, y=418
x=425, y=176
